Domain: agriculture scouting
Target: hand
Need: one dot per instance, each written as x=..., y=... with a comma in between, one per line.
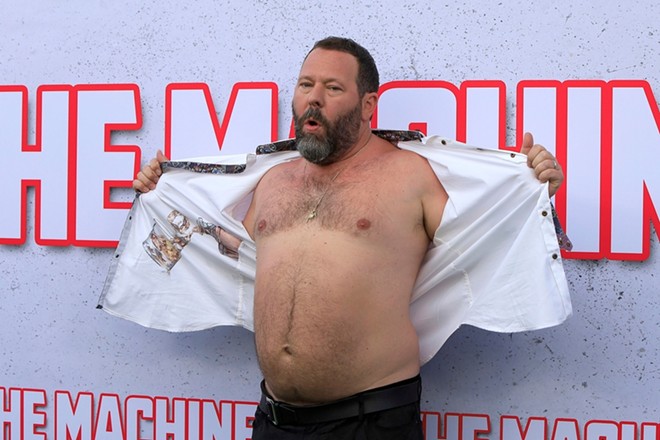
x=150, y=173
x=228, y=244
x=543, y=163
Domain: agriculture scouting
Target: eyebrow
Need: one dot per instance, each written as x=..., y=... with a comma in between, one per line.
x=325, y=81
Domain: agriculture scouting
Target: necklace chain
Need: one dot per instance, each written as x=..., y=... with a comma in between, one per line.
x=314, y=212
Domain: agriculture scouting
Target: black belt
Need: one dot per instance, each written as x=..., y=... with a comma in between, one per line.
x=370, y=401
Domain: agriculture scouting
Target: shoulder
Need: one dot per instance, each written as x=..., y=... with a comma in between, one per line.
x=409, y=171
x=283, y=169
x=411, y=158
x=280, y=176
x=407, y=162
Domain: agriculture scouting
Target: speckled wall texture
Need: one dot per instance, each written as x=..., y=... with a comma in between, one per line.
x=603, y=364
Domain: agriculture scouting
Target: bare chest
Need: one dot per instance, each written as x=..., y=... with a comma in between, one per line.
x=350, y=205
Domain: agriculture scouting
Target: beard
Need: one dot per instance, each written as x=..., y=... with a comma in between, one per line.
x=339, y=136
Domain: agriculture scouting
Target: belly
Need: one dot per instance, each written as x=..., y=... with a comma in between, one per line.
x=331, y=319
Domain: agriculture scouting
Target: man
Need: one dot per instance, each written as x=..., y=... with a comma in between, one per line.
x=340, y=236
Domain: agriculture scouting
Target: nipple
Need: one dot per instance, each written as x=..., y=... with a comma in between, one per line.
x=363, y=224
x=261, y=225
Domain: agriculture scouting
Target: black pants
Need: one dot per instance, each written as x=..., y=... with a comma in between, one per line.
x=400, y=423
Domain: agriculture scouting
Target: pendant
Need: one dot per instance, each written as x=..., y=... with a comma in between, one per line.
x=312, y=215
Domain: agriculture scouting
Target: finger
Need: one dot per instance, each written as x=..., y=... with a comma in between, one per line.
x=138, y=185
x=160, y=157
x=548, y=170
x=548, y=173
x=540, y=159
x=150, y=174
x=538, y=154
x=528, y=143
x=154, y=166
x=148, y=177
x=554, y=177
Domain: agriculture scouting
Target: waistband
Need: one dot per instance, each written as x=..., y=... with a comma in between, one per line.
x=370, y=401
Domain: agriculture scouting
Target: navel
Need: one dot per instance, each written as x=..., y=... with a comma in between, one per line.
x=363, y=224
x=262, y=225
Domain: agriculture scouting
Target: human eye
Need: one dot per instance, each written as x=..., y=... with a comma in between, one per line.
x=334, y=88
x=304, y=84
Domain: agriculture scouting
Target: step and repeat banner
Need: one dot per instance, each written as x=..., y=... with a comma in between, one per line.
x=90, y=90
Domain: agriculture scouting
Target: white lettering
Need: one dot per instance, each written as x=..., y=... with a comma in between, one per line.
x=582, y=168
x=485, y=114
x=169, y=425
x=42, y=166
x=537, y=112
x=565, y=429
x=605, y=135
x=99, y=110
x=243, y=417
x=511, y=428
x=73, y=420
x=601, y=430
x=635, y=183
x=138, y=409
x=473, y=425
x=650, y=431
x=33, y=419
x=194, y=419
x=10, y=413
x=108, y=425
x=192, y=127
x=407, y=105
x=217, y=421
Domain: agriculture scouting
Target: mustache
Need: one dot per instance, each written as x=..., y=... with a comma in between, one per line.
x=315, y=114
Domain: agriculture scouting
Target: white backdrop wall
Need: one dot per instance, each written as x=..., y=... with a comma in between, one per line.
x=595, y=376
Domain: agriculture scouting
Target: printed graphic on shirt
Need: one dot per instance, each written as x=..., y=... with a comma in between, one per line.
x=166, y=241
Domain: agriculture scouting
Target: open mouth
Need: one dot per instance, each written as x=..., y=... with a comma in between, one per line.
x=312, y=124
x=311, y=120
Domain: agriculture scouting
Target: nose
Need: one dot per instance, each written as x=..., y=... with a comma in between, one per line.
x=315, y=96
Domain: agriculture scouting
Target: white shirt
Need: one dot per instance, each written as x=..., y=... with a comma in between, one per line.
x=494, y=263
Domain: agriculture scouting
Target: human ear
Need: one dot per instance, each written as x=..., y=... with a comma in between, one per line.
x=369, y=102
